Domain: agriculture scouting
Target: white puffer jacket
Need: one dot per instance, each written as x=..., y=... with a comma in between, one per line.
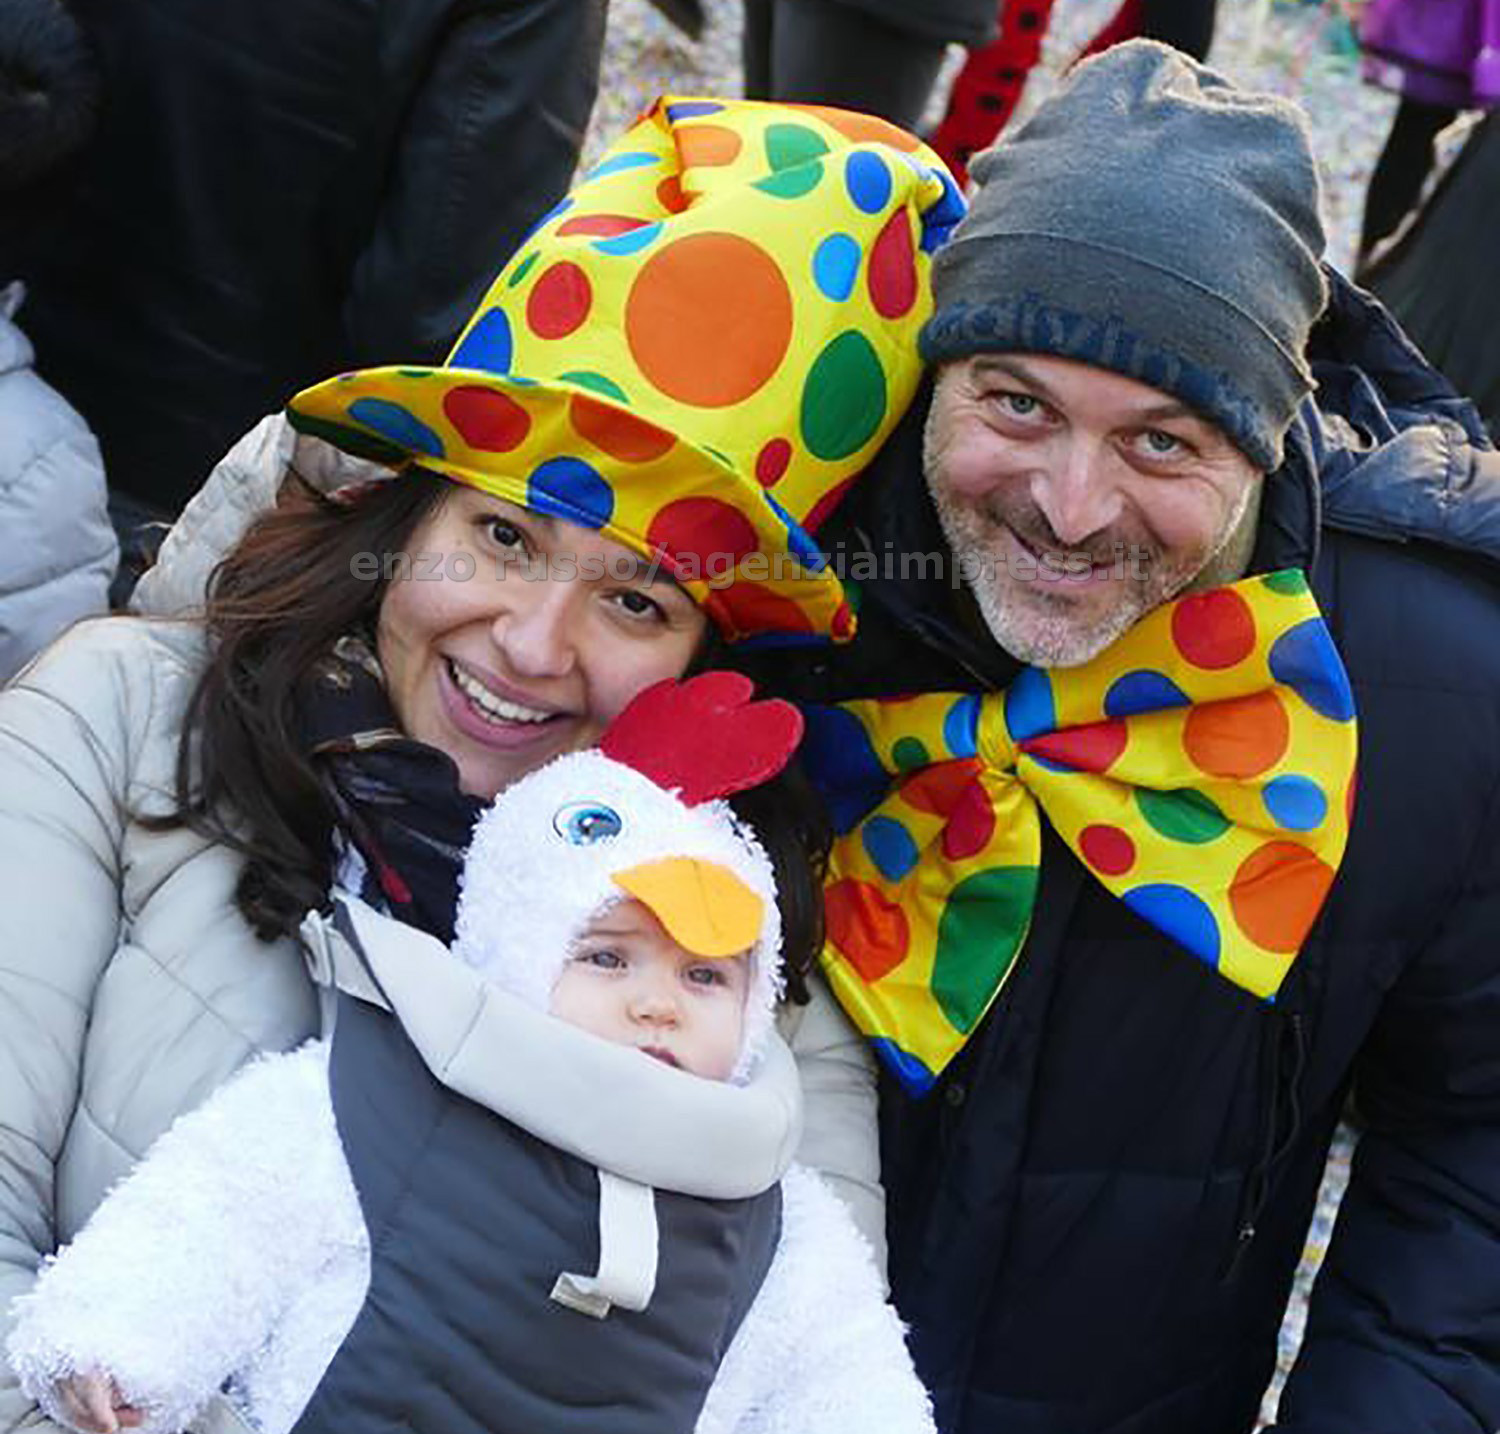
x=130, y=986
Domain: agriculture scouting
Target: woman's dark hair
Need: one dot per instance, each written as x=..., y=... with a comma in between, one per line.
x=789, y=818
x=276, y=605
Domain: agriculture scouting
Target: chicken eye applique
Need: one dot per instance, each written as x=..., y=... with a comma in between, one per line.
x=584, y=823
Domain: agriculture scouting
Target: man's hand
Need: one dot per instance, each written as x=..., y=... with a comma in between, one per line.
x=92, y=1403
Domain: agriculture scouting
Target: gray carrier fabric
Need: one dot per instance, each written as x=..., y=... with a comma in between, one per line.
x=471, y=1220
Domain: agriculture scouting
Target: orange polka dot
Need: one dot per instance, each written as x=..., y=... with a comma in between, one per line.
x=1241, y=738
x=709, y=319
x=1277, y=893
x=707, y=144
x=861, y=128
x=619, y=434
x=869, y=931
x=670, y=196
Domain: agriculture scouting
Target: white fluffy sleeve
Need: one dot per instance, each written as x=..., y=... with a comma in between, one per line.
x=820, y=1349
x=183, y=1272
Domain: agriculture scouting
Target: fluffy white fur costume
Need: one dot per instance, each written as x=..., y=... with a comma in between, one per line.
x=236, y=1253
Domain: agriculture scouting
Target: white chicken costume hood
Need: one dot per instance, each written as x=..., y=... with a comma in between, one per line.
x=643, y=815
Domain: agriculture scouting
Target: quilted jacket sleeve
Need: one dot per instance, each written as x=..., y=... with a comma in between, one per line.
x=64, y=748
x=1404, y=1328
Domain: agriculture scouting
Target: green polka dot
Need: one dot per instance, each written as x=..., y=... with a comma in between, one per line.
x=979, y=933
x=843, y=401
x=415, y=372
x=1184, y=815
x=523, y=268
x=1288, y=584
x=351, y=440
x=788, y=145
x=792, y=183
x=908, y=753
x=596, y=383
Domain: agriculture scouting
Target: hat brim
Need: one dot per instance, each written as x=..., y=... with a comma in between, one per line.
x=574, y=452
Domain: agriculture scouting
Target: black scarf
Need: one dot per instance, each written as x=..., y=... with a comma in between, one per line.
x=398, y=800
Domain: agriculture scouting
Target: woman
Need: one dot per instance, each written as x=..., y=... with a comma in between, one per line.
x=661, y=395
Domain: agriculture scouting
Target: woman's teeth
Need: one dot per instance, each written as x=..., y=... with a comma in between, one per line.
x=490, y=705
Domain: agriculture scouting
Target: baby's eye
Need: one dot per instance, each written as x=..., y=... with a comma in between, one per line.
x=584, y=823
x=706, y=975
x=602, y=957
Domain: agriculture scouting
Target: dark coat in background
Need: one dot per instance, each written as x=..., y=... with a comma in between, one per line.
x=1096, y=1216
x=280, y=189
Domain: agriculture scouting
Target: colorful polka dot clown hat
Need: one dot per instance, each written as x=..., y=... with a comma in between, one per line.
x=694, y=354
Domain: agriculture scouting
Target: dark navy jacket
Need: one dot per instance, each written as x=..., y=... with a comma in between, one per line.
x=1096, y=1216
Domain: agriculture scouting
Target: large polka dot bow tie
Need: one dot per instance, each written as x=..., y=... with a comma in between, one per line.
x=1202, y=768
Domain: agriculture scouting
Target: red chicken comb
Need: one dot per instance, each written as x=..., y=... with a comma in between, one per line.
x=706, y=737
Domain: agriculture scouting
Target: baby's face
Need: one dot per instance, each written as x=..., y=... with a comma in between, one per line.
x=629, y=982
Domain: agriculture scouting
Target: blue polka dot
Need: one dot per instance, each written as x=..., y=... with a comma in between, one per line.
x=841, y=763
x=799, y=544
x=836, y=266
x=1305, y=659
x=939, y=219
x=561, y=207
x=890, y=846
x=1296, y=803
x=619, y=163
x=914, y=1076
x=392, y=421
x=632, y=241
x=1180, y=915
x=868, y=181
x=1143, y=691
x=961, y=726
x=571, y=489
x=487, y=345
x=1029, y=709
x=693, y=109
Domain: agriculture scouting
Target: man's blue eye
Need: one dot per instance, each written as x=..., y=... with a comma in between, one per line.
x=583, y=823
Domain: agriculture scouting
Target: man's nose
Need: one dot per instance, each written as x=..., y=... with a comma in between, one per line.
x=535, y=628
x=1076, y=492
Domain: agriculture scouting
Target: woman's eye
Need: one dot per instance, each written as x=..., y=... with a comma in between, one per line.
x=637, y=604
x=584, y=823
x=504, y=534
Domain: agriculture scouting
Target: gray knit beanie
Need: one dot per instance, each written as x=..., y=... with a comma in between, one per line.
x=1154, y=219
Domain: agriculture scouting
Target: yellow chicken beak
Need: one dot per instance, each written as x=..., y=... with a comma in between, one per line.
x=704, y=907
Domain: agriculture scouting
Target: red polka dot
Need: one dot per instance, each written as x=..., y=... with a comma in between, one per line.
x=1238, y=739
x=559, y=301
x=1277, y=893
x=709, y=319
x=971, y=824
x=892, y=271
x=747, y=608
x=1214, y=630
x=602, y=226
x=670, y=196
x=1093, y=748
x=705, y=527
x=771, y=462
x=707, y=145
x=822, y=510
x=621, y=435
x=936, y=789
x=1107, y=849
x=866, y=928
x=842, y=625
x=490, y=421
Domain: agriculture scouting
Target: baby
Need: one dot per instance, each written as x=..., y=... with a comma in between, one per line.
x=543, y=1186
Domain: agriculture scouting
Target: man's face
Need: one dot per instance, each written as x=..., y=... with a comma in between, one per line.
x=1077, y=500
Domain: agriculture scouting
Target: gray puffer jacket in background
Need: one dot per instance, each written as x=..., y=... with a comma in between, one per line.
x=57, y=549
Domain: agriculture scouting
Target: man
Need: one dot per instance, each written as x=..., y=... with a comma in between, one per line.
x=1146, y=385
